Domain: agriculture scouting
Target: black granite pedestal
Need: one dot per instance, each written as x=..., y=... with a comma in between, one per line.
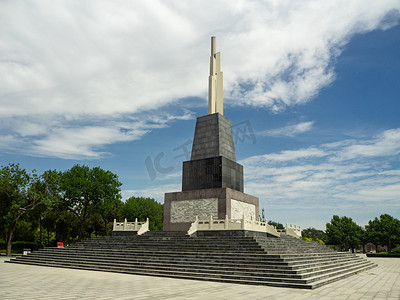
x=212, y=181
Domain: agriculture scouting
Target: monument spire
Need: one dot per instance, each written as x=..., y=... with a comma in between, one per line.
x=212, y=180
x=215, y=91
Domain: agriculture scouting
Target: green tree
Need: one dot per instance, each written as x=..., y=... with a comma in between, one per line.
x=84, y=189
x=45, y=188
x=109, y=207
x=64, y=223
x=384, y=231
x=142, y=208
x=344, y=232
x=15, y=200
x=276, y=224
x=314, y=234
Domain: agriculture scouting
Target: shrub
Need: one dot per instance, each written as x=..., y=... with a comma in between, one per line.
x=396, y=250
x=21, y=245
x=383, y=254
x=313, y=240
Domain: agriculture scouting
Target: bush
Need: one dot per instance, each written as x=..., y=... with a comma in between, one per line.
x=383, y=254
x=48, y=238
x=313, y=240
x=396, y=250
x=21, y=245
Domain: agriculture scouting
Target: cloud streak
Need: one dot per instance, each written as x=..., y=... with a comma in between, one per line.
x=385, y=144
x=329, y=178
x=290, y=130
x=78, y=140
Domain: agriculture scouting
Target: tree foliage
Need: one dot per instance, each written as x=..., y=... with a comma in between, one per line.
x=82, y=201
x=86, y=190
x=15, y=199
x=276, y=224
x=66, y=206
x=46, y=190
x=344, y=232
x=314, y=234
x=142, y=208
x=384, y=231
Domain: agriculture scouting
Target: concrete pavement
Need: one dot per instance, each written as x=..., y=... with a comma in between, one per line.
x=33, y=282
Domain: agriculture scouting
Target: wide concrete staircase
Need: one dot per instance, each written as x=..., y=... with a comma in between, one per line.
x=282, y=262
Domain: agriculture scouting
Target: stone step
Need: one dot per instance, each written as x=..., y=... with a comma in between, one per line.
x=190, y=265
x=166, y=257
x=343, y=275
x=167, y=241
x=215, y=278
x=286, y=282
x=183, y=244
x=206, y=268
x=163, y=260
x=299, y=258
x=252, y=260
x=295, y=260
x=194, y=249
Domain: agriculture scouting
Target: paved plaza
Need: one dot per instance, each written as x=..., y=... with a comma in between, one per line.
x=32, y=282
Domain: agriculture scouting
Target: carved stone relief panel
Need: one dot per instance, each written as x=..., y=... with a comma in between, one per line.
x=187, y=210
x=240, y=208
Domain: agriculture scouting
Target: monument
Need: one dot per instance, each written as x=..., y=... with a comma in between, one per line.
x=212, y=203
x=212, y=180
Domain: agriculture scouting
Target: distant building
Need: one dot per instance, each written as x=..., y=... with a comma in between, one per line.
x=370, y=247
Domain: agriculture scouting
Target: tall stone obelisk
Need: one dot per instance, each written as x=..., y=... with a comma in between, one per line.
x=212, y=180
x=215, y=82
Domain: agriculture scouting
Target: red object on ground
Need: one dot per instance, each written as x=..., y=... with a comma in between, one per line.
x=60, y=244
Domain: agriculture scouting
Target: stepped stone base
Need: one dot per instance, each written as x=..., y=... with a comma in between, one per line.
x=181, y=208
x=123, y=233
x=259, y=260
x=231, y=233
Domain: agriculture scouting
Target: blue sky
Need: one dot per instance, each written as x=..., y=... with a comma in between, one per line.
x=311, y=87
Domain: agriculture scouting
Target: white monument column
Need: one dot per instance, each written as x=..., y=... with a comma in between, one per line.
x=215, y=87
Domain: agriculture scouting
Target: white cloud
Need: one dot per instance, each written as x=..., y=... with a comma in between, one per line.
x=58, y=138
x=81, y=61
x=290, y=130
x=287, y=155
x=155, y=192
x=329, y=178
x=387, y=143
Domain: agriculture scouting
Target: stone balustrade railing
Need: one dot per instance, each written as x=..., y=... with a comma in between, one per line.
x=140, y=227
x=232, y=224
x=293, y=230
